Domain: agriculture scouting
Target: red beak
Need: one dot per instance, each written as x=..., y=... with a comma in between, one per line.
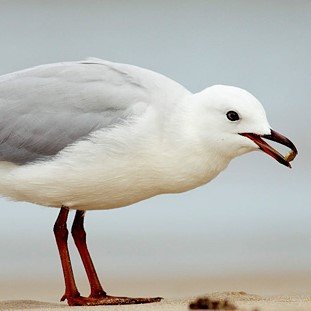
x=274, y=136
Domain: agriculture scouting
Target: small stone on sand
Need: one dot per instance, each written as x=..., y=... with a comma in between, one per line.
x=208, y=304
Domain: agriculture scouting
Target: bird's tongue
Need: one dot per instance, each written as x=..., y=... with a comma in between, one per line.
x=274, y=136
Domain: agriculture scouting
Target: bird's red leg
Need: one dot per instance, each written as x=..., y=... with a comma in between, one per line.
x=61, y=236
x=98, y=295
x=79, y=236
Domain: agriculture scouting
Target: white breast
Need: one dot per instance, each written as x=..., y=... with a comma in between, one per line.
x=115, y=168
x=105, y=172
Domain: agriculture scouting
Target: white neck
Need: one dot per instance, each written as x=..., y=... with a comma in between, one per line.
x=185, y=162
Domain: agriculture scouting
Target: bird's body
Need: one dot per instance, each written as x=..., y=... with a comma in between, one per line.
x=120, y=135
x=115, y=172
x=100, y=135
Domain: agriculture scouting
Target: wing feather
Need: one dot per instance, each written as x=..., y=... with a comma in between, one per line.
x=46, y=108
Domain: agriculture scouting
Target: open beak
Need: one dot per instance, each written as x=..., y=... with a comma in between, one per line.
x=274, y=136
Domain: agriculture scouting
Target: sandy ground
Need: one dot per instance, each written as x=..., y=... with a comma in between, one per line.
x=282, y=292
x=241, y=300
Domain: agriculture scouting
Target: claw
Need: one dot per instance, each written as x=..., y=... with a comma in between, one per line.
x=109, y=300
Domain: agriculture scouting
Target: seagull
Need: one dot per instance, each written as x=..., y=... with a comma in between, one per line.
x=96, y=135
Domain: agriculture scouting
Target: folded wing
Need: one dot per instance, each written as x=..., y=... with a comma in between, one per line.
x=46, y=108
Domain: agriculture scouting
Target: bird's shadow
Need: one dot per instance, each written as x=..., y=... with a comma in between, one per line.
x=28, y=304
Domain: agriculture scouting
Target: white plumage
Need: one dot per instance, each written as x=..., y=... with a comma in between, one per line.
x=140, y=134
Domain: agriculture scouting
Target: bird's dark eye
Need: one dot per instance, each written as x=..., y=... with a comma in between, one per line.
x=232, y=116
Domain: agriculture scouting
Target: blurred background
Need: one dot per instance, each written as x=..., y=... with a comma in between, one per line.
x=249, y=229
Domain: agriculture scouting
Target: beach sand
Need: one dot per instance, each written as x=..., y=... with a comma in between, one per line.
x=241, y=300
x=281, y=292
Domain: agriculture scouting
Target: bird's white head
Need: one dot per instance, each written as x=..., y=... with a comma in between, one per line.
x=233, y=122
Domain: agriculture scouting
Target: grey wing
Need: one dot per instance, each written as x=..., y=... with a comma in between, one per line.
x=46, y=108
